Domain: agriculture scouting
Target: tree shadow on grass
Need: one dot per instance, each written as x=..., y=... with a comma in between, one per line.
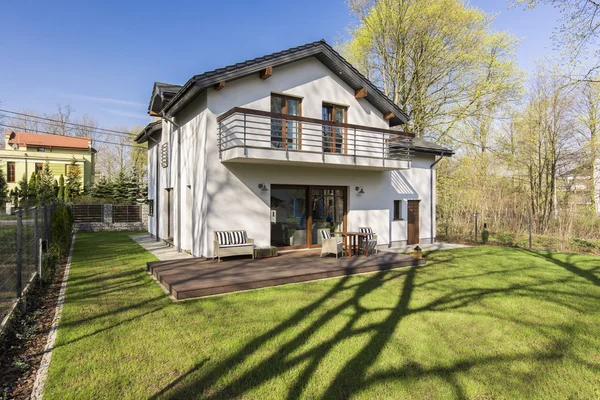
x=569, y=266
x=355, y=374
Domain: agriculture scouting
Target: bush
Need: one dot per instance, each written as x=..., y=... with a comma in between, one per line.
x=485, y=235
x=62, y=223
x=49, y=262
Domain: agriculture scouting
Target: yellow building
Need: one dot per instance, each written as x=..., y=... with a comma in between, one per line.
x=25, y=153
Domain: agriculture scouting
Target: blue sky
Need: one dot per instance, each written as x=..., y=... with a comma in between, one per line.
x=102, y=57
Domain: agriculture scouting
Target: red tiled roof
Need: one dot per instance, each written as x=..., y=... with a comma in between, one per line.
x=44, y=140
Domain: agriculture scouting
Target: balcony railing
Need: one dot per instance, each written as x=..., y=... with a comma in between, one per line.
x=247, y=129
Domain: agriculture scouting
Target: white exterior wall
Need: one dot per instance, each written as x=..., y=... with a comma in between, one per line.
x=225, y=196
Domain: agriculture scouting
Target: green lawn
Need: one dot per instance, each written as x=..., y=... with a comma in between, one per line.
x=481, y=323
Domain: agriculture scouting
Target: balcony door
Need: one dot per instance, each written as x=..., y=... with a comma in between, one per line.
x=299, y=213
x=334, y=137
x=285, y=133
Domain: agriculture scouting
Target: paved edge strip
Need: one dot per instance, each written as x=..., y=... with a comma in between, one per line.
x=42, y=372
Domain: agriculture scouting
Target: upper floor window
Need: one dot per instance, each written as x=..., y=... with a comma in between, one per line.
x=285, y=133
x=41, y=149
x=10, y=171
x=334, y=137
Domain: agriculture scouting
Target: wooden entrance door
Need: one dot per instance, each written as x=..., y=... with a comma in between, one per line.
x=413, y=221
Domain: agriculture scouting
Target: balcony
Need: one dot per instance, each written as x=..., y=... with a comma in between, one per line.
x=260, y=137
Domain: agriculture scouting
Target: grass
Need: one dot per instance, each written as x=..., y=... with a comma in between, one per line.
x=484, y=322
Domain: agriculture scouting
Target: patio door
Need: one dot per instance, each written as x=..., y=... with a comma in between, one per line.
x=299, y=212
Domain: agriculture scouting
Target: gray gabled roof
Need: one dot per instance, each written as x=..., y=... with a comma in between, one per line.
x=320, y=49
x=148, y=131
x=162, y=93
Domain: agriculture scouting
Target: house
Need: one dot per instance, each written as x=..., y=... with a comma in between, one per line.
x=25, y=153
x=281, y=146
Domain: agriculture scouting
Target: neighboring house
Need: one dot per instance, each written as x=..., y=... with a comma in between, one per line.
x=281, y=146
x=27, y=152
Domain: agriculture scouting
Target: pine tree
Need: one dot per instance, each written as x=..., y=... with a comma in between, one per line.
x=32, y=188
x=3, y=188
x=45, y=190
x=73, y=180
x=120, y=188
x=133, y=188
x=55, y=187
x=61, y=189
x=23, y=191
x=103, y=189
x=67, y=194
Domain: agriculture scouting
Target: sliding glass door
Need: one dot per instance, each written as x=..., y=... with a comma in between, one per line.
x=299, y=213
x=328, y=209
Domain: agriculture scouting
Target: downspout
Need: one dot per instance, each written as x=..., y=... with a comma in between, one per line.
x=431, y=196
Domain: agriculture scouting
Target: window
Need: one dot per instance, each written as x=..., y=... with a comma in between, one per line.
x=67, y=169
x=334, y=137
x=285, y=134
x=41, y=149
x=398, y=210
x=10, y=171
x=150, y=207
x=39, y=167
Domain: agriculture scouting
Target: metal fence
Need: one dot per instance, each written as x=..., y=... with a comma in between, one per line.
x=88, y=213
x=127, y=213
x=21, y=236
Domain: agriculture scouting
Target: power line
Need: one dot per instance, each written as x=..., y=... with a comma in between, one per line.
x=58, y=124
x=54, y=134
x=64, y=122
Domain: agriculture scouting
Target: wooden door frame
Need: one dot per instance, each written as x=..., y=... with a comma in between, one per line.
x=308, y=189
x=284, y=111
x=331, y=118
x=418, y=222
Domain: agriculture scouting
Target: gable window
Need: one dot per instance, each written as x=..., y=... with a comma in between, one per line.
x=39, y=167
x=334, y=137
x=398, y=210
x=285, y=133
x=10, y=171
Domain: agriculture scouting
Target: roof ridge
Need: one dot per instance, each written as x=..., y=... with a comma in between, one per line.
x=264, y=57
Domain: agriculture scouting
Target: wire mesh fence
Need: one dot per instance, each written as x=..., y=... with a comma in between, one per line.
x=21, y=235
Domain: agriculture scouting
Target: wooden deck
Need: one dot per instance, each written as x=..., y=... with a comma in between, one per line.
x=197, y=277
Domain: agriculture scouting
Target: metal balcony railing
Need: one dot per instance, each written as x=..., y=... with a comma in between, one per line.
x=254, y=129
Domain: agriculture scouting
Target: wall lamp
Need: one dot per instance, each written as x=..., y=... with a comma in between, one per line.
x=359, y=190
x=263, y=187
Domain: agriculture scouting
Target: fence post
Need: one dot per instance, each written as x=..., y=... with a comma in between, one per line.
x=36, y=244
x=46, y=236
x=530, y=230
x=19, y=252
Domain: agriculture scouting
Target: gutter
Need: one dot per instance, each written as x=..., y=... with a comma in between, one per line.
x=431, y=195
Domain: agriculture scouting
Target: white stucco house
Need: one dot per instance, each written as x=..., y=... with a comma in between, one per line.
x=281, y=146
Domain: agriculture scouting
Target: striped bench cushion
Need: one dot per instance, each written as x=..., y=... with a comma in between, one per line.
x=367, y=230
x=238, y=237
x=224, y=238
x=326, y=234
